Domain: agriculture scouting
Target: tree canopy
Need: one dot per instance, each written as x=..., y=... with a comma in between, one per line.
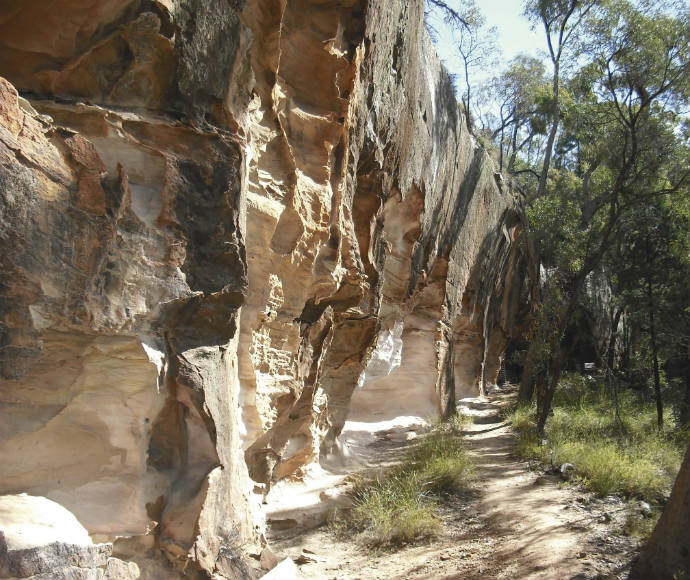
x=597, y=139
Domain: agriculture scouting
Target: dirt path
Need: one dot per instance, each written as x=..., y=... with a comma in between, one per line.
x=518, y=524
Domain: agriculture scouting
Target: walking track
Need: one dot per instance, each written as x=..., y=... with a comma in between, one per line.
x=518, y=523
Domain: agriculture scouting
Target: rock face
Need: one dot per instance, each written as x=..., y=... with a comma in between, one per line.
x=41, y=539
x=217, y=219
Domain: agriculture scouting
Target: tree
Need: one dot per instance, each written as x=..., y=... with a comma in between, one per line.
x=560, y=20
x=476, y=44
x=627, y=149
x=453, y=16
x=522, y=97
x=652, y=270
x=477, y=47
x=667, y=553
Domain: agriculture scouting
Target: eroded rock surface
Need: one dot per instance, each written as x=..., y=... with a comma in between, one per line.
x=216, y=220
x=41, y=539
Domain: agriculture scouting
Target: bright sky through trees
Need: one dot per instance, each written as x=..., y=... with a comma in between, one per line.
x=514, y=34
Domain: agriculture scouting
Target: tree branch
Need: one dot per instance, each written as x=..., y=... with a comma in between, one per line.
x=451, y=14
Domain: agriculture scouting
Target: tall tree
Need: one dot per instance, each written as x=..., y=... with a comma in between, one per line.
x=522, y=100
x=561, y=20
x=627, y=151
x=652, y=270
x=477, y=44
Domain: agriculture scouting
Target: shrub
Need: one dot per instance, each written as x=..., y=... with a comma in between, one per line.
x=399, y=506
x=629, y=458
x=639, y=526
x=392, y=509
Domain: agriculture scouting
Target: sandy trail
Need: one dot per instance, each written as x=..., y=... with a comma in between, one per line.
x=517, y=524
x=540, y=531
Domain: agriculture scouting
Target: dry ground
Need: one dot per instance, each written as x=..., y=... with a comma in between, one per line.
x=516, y=523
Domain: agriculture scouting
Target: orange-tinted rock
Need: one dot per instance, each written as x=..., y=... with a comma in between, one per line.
x=218, y=220
x=122, y=279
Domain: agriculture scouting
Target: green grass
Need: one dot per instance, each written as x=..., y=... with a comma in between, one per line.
x=630, y=458
x=400, y=505
x=639, y=526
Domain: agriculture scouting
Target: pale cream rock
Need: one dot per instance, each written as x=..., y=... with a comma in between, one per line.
x=29, y=521
x=219, y=218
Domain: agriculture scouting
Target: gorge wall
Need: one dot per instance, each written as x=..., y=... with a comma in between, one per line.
x=224, y=227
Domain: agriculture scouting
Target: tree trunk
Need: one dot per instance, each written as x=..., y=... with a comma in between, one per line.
x=556, y=352
x=667, y=554
x=551, y=379
x=529, y=370
x=612, y=382
x=467, y=100
x=611, y=349
x=556, y=113
x=684, y=416
x=513, y=145
x=655, y=357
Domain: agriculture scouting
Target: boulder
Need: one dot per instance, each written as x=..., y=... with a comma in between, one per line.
x=41, y=539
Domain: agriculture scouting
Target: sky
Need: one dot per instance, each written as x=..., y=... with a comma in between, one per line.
x=514, y=34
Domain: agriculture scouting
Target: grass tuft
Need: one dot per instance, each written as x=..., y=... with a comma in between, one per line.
x=400, y=505
x=639, y=526
x=629, y=458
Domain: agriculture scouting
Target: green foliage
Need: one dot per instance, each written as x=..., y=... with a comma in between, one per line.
x=441, y=460
x=564, y=245
x=615, y=195
x=393, y=509
x=652, y=265
x=399, y=506
x=599, y=145
x=640, y=526
x=631, y=459
x=523, y=100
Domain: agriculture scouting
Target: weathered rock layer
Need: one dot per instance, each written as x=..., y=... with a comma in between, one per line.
x=218, y=220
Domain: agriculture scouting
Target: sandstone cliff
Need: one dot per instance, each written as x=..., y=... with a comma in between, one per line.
x=217, y=220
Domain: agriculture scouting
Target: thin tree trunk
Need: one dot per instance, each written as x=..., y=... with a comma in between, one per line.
x=557, y=352
x=556, y=113
x=685, y=411
x=655, y=357
x=547, y=380
x=610, y=359
x=611, y=349
x=528, y=378
x=551, y=379
x=628, y=336
x=617, y=408
x=467, y=102
x=513, y=153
